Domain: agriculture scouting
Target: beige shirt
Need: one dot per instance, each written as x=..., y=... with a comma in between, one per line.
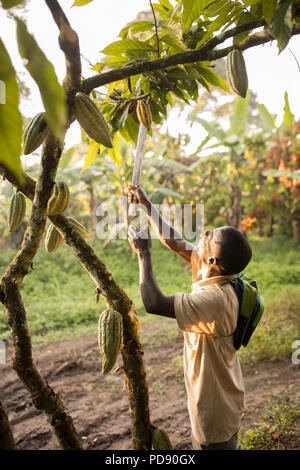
x=213, y=376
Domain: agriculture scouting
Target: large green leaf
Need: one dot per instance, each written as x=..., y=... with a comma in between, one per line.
x=267, y=119
x=268, y=7
x=239, y=113
x=136, y=27
x=10, y=116
x=11, y=3
x=281, y=24
x=126, y=45
x=43, y=73
x=214, y=130
x=115, y=152
x=81, y=3
x=94, y=149
x=192, y=9
x=211, y=77
x=172, y=27
x=288, y=117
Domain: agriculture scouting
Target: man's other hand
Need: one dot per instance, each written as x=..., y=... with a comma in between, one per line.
x=138, y=196
x=141, y=240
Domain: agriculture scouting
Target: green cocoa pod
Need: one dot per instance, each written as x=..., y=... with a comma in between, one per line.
x=160, y=440
x=16, y=211
x=78, y=227
x=91, y=120
x=59, y=199
x=35, y=133
x=53, y=239
x=110, y=337
x=237, y=72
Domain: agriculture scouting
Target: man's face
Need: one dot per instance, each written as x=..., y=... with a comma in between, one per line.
x=209, y=244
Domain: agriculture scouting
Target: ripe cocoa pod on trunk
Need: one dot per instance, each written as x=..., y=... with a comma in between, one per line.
x=237, y=72
x=59, y=199
x=144, y=114
x=110, y=337
x=16, y=211
x=91, y=120
x=160, y=440
x=53, y=239
x=35, y=133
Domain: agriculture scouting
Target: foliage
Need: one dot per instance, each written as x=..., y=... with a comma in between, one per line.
x=278, y=430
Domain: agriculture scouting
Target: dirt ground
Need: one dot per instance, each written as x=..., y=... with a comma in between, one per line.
x=98, y=403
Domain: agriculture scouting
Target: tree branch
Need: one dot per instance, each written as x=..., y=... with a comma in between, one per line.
x=156, y=30
x=42, y=395
x=69, y=44
x=204, y=53
x=116, y=298
x=7, y=441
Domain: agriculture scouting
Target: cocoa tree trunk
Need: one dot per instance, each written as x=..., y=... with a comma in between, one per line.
x=270, y=226
x=93, y=207
x=296, y=230
x=7, y=441
x=234, y=213
x=115, y=297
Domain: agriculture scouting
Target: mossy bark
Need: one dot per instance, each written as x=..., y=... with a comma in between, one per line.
x=7, y=441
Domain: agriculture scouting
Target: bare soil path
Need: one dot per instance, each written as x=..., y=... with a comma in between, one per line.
x=98, y=403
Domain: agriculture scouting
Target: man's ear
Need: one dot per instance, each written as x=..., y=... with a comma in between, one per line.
x=212, y=260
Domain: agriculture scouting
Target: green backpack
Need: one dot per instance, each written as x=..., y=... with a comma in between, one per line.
x=250, y=311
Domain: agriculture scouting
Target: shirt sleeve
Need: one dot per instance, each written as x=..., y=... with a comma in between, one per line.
x=199, y=312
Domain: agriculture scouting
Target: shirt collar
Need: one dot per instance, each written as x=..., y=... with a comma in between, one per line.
x=212, y=280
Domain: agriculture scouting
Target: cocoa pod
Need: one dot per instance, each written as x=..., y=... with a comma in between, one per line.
x=144, y=114
x=110, y=337
x=16, y=211
x=53, y=239
x=91, y=120
x=160, y=440
x=237, y=72
x=35, y=133
x=78, y=227
x=59, y=199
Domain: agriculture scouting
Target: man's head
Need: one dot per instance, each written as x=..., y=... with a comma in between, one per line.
x=225, y=250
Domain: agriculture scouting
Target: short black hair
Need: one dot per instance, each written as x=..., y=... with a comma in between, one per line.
x=235, y=252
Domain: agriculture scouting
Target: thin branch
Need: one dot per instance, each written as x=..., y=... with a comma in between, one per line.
x=295, y=58
x=140, y=66
x=69, y=44
x=156, y=29
x=205, y=53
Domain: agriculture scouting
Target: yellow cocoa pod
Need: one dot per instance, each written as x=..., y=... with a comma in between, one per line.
x=59, y=200
x=53, y=239
x=237, y=72
x=16, y=211
x=110, y=337
x=35, y=133
x=144, y=114
x=91, y=120
x=78, y=227
x=160, y=440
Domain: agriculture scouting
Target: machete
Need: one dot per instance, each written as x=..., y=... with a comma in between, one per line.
x=137, y=169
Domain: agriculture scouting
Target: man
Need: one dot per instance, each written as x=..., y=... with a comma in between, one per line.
x=208, y=317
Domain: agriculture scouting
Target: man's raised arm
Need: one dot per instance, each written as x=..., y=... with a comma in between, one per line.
x=170, y=237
